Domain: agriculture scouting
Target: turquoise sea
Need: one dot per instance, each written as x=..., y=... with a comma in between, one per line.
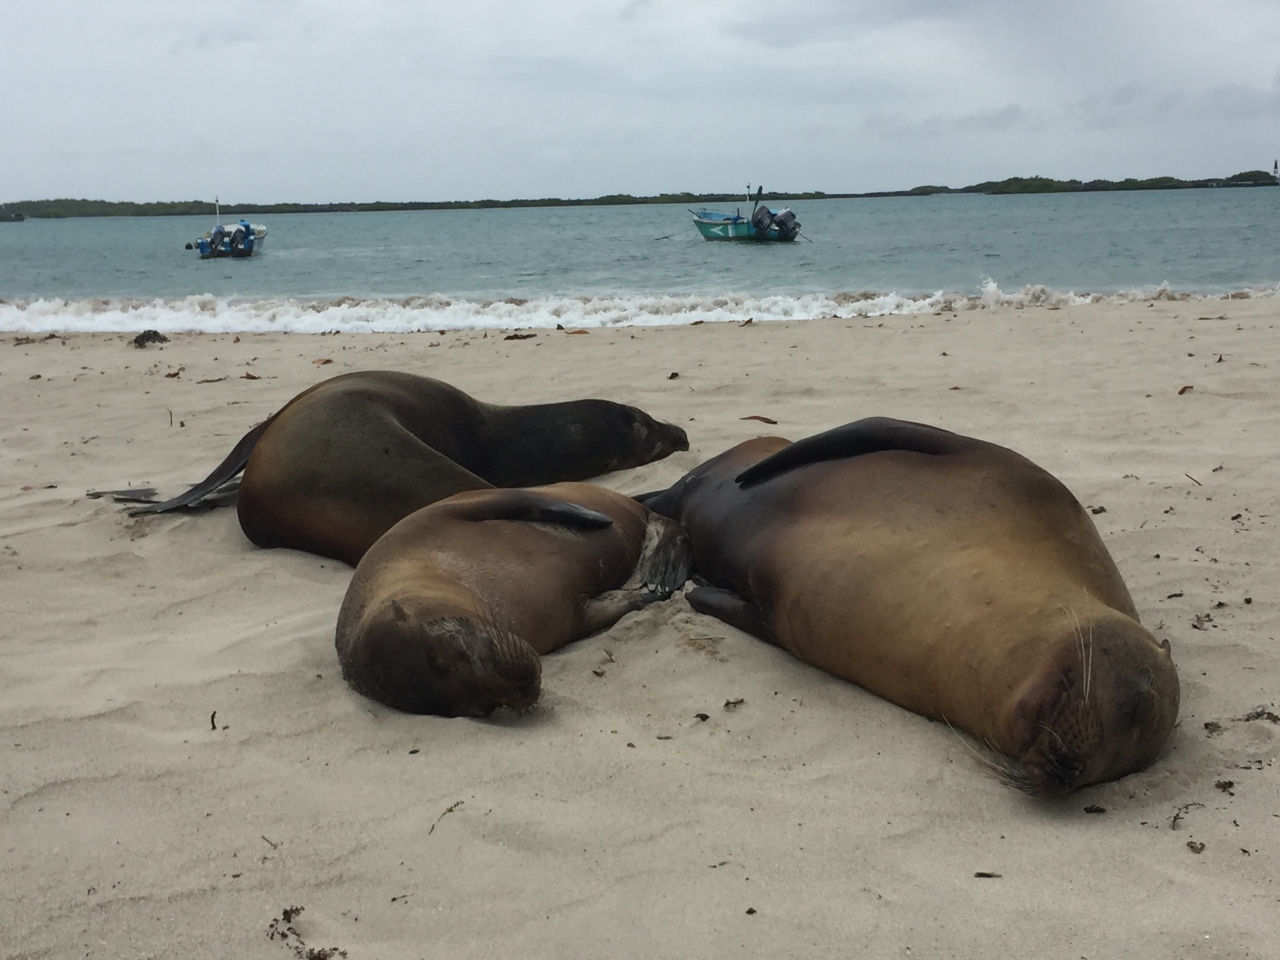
x=590, y=266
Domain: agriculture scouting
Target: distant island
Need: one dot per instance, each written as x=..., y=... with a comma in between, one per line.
x=1012, y=185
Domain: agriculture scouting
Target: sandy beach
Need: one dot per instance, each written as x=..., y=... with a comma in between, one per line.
x=183, y=764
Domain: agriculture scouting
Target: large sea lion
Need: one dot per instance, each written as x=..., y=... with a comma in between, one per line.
x=949, y=575
x=343, y=461
x=450, y=610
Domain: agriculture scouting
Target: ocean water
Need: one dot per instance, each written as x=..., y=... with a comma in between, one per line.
x=595, y=266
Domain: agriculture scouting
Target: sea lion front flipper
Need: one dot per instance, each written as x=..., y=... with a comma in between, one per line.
x=223, y=472
x=732, y=609
x=644, y=498
x=600, y=613
x=856, y=439
x=531, y=506
x=665, y=558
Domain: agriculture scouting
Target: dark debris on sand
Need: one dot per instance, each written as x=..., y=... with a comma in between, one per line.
x=282, y=929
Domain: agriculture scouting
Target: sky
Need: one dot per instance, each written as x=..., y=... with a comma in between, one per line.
x=324, y=101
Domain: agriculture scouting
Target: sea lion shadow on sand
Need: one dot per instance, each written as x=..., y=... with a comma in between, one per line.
x=949, y=575
x=450, y=612
x=341, y=463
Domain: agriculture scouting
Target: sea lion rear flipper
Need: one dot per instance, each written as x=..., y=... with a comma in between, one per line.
x=856, y=439
x=732, y=609
x=128, y=495
x=223, y=472
x=534, y=507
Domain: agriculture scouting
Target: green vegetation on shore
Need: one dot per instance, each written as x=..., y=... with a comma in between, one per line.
x=1250, y=178
x=1013, y=185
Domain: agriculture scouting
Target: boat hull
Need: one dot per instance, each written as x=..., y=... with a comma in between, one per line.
x=727, y=227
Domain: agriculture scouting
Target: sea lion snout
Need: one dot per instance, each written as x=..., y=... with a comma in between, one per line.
x=1105, y=710
x=668, y=438
x=656, y=439
x=447, y=666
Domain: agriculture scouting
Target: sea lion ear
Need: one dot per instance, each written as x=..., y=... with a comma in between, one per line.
x=533, y=507
x=856, y=439
x=1164, y=645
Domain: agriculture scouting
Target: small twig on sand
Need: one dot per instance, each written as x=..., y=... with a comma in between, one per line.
x=1182, y=812
x=447, y=810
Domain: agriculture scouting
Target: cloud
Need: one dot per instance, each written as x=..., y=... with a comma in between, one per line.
x=342, y=99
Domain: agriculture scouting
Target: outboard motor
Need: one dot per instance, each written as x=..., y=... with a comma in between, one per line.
x=761, y=221
x=216, y=236
x=237, y=239
x=787, y=224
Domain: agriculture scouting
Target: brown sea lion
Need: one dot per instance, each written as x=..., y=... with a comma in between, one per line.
x=946, y=574
x=342, y=462
x=450, y=610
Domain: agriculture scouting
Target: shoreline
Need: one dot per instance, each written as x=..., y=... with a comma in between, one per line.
x=62, y=208
x=435, y=313
x=185, y=762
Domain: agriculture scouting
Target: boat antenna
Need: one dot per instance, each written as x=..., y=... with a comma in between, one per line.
x=759, y=194
x=217, y=210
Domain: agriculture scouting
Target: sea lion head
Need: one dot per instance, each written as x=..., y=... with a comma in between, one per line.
x=634, y=437
x=450, y=666
x=574, y=440
x=654, y=439
x=1103, y=708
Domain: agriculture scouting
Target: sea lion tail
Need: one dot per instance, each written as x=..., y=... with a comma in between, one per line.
x=226, y=470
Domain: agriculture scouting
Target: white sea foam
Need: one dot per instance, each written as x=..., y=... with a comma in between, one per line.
x=211, y=314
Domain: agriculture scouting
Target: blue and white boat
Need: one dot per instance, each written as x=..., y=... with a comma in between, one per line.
x=242, y=239
x=239, y=240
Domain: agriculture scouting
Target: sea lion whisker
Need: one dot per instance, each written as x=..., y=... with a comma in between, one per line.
x=1052, y=732
x=1087, y=653
x=1082, y=648
x=1005, y=769
x=1088, y=671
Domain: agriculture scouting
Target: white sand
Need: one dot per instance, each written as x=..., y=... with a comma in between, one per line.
x=609, y=821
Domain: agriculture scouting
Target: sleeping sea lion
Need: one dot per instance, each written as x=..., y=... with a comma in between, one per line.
x=949, y=575
x=343, y=461
x=449, y=611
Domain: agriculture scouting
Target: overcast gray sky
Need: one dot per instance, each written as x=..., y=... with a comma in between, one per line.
x=332, y=100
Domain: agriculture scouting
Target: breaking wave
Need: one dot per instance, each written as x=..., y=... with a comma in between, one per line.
x=210, y=314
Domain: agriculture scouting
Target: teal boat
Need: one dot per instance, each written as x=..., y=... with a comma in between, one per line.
x=778, y=226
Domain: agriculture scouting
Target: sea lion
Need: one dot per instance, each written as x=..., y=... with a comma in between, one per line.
x=343, y=461
x=449, y=611
x=949, y=575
